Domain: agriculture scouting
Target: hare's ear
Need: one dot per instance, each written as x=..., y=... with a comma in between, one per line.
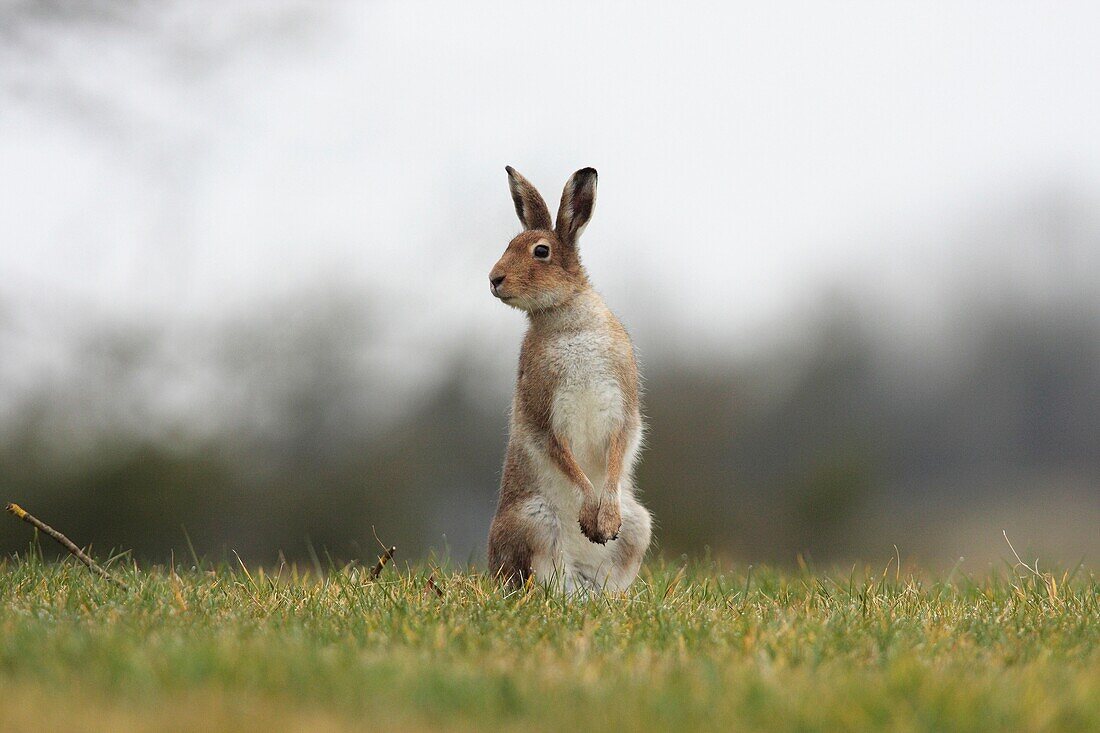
x=577, y=202
x=530, y=208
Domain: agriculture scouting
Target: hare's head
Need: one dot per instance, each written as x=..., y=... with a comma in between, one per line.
x=541, y=269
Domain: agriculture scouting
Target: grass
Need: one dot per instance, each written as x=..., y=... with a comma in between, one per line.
x=689, y=648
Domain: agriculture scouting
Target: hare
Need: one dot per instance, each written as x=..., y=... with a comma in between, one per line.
x=567, y=513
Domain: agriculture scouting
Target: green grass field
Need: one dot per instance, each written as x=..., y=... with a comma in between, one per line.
x=689, y=648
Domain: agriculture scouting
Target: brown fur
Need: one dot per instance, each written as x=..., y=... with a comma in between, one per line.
x=510, y=546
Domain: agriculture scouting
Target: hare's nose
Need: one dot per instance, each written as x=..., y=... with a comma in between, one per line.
x=496, y=281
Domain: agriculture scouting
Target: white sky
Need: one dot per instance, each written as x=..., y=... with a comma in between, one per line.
x=201, y=158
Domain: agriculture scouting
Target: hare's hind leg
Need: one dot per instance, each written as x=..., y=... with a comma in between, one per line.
x=631, y=546
x=523, y=541
x=509, y=552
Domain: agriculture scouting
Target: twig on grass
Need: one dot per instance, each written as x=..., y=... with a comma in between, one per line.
x=65, y=542
x=386, y=556
x=433, y=586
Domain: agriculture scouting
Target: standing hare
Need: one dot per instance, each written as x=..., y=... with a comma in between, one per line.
x=567, y=512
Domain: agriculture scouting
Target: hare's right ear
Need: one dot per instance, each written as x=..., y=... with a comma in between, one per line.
x=530, y=208
x=577, y=201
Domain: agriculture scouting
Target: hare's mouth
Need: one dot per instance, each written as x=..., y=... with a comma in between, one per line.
x=507, y=299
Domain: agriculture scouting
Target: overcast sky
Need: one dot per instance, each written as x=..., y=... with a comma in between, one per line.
x=192, y=158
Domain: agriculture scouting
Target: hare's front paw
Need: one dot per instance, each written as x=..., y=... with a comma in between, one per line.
x=600, y=520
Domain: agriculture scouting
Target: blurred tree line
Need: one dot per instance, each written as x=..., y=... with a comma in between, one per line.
x=272, y=434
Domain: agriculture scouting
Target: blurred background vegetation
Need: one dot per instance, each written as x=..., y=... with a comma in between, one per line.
x=830, y=445
x=238, y=308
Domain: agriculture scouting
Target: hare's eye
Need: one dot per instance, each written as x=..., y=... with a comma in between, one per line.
x=542, y=252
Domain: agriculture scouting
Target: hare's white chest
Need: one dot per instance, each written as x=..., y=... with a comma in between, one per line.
x=588, y=403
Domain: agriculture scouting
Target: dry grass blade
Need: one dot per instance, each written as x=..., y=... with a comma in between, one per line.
x=674, y=582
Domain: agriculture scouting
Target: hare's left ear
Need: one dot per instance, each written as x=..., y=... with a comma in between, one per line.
x=577, y=201
x=530, y=208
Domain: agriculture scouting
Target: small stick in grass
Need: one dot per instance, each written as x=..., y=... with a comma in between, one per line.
x=382, y=560
x=433, y=586
x=65, y=542
x=386, y=556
